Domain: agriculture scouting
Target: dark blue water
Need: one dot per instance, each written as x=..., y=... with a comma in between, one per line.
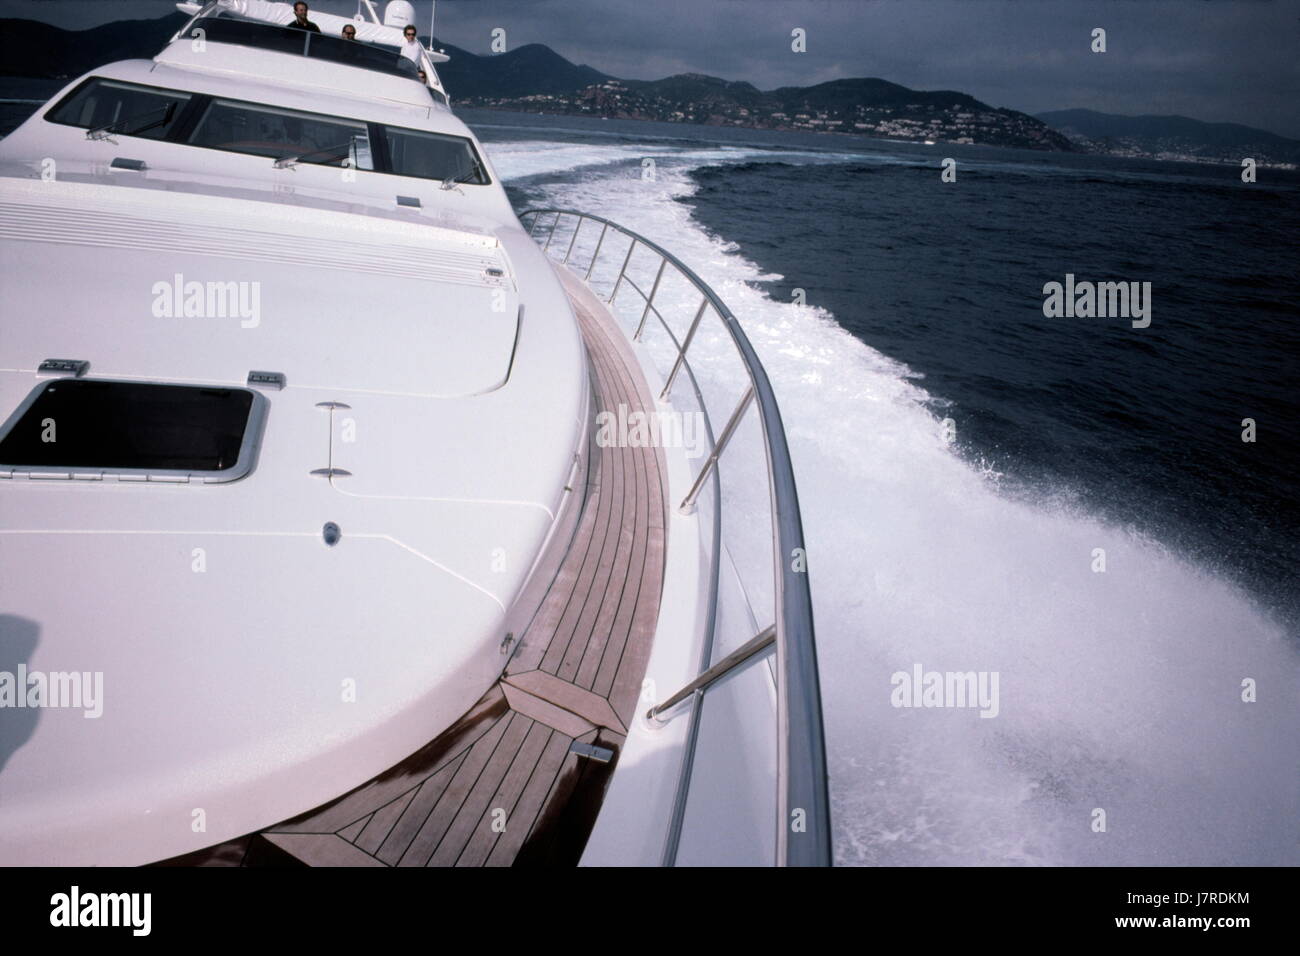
x=1141, y=425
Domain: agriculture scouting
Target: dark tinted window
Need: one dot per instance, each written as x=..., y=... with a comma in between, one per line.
x=84, y=423
x=266, y=36
x=269, y=131
x=357, y=53
x=261, y=130
x=121, y=108
x=433, y=156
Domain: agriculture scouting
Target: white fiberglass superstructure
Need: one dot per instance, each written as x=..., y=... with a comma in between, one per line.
x=307, y=547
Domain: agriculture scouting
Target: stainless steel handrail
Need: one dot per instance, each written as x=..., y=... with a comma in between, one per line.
x=803, y=826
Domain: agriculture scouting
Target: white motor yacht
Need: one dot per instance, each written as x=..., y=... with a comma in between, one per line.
x=340, y=517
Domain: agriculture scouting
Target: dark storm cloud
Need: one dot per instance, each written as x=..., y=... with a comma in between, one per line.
x=1225, y=60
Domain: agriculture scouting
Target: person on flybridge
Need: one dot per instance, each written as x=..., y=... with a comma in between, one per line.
x=349, y=32
x=300, y=18
x=411, y=48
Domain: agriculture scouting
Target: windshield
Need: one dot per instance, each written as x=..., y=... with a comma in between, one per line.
x=282, y=134
x=433, y=156
x=287, y=39
x=287, y=136
x=111, y=107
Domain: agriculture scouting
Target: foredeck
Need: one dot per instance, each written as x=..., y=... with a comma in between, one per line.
x=504, y=786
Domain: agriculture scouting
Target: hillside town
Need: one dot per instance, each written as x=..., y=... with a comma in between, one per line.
x=961, y=124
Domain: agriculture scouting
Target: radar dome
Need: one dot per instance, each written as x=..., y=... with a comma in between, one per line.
x=398, y=14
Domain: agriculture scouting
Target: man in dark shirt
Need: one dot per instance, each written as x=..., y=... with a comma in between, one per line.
x=300, y=18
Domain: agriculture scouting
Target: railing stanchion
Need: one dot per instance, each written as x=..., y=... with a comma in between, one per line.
x=649, y=302
x=555, y=225
x=619, y=281
x=688, y=503
x=686, y=343
x=737, y=658
x=576, y=229
x=596, y=255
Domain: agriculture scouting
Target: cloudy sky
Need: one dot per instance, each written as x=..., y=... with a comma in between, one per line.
x=1218, y=60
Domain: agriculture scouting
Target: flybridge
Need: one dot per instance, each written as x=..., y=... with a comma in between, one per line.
x=259, y=24
x=396, y=16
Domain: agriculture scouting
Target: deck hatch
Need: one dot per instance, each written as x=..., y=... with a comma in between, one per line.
x=69, y=426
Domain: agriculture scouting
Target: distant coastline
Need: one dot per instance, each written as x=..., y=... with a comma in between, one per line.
x=863, y=107
x=1118, y=150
